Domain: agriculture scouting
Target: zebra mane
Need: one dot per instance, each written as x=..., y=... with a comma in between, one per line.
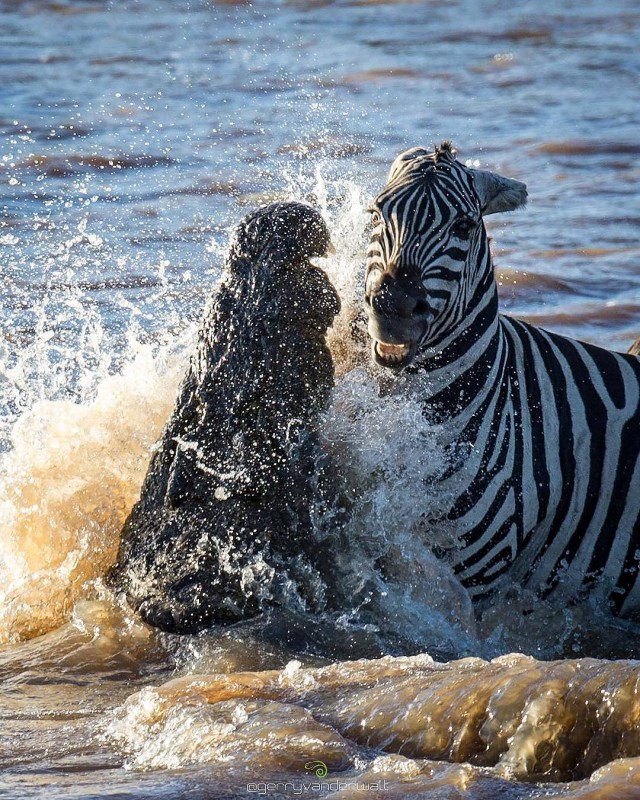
x=445, y=149
x=421, y=159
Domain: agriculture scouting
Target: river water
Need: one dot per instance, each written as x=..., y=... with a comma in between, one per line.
x=134, y=134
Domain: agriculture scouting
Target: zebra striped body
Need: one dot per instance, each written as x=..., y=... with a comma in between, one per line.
x=549, y=492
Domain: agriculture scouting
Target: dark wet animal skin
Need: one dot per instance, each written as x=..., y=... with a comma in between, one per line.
x=223, y=528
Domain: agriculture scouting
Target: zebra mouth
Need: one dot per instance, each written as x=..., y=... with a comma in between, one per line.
x=395, y=356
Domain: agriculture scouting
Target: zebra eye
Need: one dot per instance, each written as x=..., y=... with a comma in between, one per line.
x=463, y=228
x=376, y=216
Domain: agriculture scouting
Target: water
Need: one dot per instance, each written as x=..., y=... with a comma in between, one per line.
x=134, y=135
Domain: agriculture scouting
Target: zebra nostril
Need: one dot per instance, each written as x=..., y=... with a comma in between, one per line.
x=421, y=308
x=380, y=303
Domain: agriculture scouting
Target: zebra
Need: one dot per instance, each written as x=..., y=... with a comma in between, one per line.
x=548, y=495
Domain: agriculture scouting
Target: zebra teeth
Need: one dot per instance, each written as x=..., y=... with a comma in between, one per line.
x=386, y=349
x=392, y=353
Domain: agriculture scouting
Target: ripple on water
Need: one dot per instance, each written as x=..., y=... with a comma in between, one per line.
x=588, y=148
x=77, y=164
x=381, y=75
x=611, y=314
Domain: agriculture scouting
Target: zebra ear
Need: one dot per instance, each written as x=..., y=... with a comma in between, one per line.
x=497, y=193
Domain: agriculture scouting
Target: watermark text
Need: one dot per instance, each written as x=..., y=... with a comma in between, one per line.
x=302, y=787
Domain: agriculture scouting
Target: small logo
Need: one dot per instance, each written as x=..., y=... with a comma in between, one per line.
x=319, y=767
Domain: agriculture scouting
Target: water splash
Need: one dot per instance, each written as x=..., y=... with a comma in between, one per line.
x=73, y=468
x=66, y=486
x=390, y=457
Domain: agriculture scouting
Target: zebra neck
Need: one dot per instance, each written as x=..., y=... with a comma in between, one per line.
x=467, y=358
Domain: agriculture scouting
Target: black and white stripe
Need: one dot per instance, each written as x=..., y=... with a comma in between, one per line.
x=549, y=492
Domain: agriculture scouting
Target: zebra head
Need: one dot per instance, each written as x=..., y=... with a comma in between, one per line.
x=428, y=262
